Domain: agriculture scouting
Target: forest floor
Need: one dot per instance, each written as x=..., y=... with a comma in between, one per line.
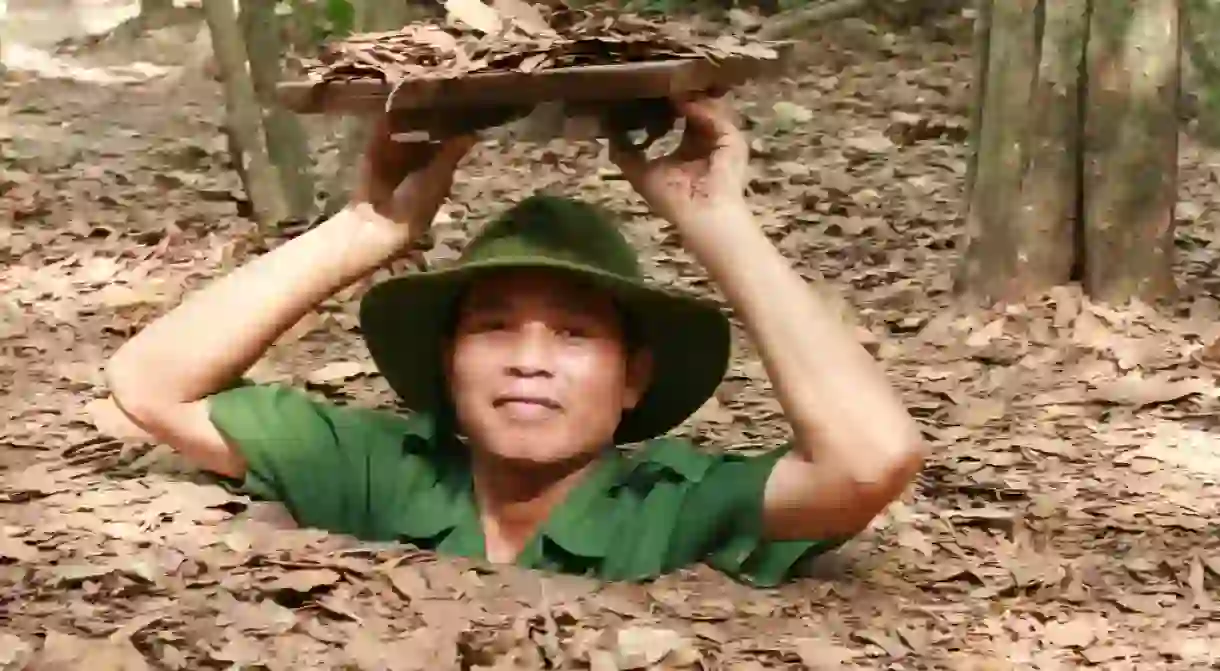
x=1066, y=518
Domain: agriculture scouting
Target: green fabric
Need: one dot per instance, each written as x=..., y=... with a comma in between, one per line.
x=380, y=476
x=403, y=319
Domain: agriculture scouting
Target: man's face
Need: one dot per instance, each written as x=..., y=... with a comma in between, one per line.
x=538, y=367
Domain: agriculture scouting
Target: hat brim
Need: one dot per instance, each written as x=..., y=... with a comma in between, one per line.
x=403, y=321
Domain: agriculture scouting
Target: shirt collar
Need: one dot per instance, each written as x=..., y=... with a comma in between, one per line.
x=447, y=510
x=578, y=523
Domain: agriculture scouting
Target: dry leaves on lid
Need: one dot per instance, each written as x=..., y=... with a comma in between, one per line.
x=513, y=35
x=525, y=16
x=476, y=15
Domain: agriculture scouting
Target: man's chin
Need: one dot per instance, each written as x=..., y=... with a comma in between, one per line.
x=527, y=452
x=533, y=455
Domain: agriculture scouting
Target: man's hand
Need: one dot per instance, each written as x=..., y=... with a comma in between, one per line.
x=706, y=173
x=406, y=182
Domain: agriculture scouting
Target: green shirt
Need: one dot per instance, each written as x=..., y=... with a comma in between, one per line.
x=381, y=476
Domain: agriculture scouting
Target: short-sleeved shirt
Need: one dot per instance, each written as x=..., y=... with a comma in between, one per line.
x=381, y=476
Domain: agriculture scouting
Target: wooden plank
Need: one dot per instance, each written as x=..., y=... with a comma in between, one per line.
x=598, y=83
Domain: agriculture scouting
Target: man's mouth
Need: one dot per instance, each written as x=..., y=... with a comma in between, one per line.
x=525, y=401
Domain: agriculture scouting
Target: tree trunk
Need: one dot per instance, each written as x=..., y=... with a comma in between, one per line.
x=287, y=144
x=1201, y=39
x=303, y=24
x=1073, y=159
x=242, y=114
x=982, y=37
x=1131, y=143
x=1023, y=176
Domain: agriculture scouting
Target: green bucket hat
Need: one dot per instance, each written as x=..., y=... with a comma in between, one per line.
x=404, y=319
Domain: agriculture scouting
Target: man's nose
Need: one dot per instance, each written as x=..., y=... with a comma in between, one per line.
x=530, y=353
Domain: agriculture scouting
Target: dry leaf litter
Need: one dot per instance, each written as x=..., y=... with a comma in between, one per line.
x=515, y=36
x=1065, y=520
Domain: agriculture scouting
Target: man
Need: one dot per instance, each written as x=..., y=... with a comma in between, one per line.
x=525, y=364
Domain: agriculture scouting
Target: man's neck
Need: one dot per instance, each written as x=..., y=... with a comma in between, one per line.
x=515, y=501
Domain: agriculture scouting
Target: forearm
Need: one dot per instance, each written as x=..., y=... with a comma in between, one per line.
x=214, y=336
x=842, y=410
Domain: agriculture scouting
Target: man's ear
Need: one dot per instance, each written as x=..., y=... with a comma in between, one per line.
x=639, y=377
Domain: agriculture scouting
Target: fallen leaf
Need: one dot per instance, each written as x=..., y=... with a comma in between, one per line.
x=818, y=654
x=12, y=319
x=476, y=15
x=65, y=652
x=890, y=644
x=789, y=115
x=15, y=549
x=1196, y=578
x=337, y=372
x=1139, y=391
x=872, y=142
x=712, y=412
x=640, y=647
x=979, y=411
x=1107, y=653
x=15, y=653
x=307, y=324
x=338, y=607
x=1145, y=465
x=602, y=660
x=1075, y=633
x=983, y=336
x=117, y=296
x=526, y=16
x=408, y=581
x=984, y=514
x=910, y=537
x=36, y=480
x=239, y=650
x=305, y=581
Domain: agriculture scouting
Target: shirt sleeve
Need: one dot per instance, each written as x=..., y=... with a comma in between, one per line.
x=322, y=461
x=723, y=516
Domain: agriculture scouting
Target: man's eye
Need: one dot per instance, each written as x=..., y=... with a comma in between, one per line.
x=573, y=332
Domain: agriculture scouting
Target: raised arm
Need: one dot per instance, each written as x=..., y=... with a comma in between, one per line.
x=855, y=448
x=162, y=376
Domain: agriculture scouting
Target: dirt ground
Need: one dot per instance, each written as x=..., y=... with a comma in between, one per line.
x=1066, y=519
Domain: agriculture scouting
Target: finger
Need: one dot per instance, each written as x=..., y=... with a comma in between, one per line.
x=453, y=149
x=629, y=159
x=380, y=135
x=713, y=116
